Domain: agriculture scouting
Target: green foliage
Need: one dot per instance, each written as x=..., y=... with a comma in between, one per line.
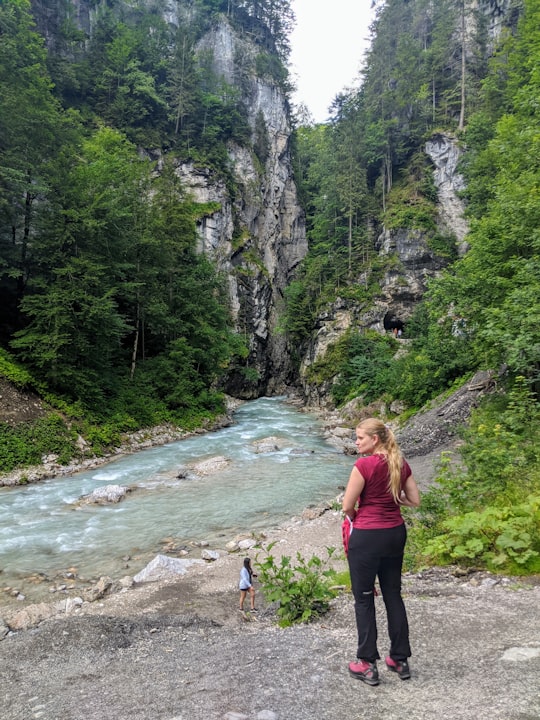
x=302, y=590
x=25, y=444
x=411, y=203
x=443, y=245
x=494, y=287
x=297, y=321
x=14, y=371
x=501, y=453
x=364, y=367
x=269, y=66
x=484, y=510
x=124, y=268
x=501, y=539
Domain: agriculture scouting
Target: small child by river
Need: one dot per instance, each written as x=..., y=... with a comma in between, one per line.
x=246, y=585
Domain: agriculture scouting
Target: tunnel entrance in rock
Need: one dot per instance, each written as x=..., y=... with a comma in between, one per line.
x=393, y=324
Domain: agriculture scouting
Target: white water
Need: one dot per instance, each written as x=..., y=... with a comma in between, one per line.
x=41, y=532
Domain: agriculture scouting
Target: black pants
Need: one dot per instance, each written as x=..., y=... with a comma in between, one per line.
x=379, y=553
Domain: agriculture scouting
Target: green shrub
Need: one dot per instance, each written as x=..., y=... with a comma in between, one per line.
x=363, y=369
x=25, y=444
x=13, y=371
x=303, y=591
x=485, y=510
x=501, y=539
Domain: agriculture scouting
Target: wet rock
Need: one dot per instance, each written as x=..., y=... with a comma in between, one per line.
x=104, y=586
x=211, y=466
x=269, y=444
x=210, y=555
x=312, y=513
x=108, y=494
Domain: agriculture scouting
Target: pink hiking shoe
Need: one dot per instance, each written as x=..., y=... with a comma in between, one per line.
x=365, y=671
x=401, y=667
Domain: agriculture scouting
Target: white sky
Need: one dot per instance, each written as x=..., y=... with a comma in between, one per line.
x=327, y=46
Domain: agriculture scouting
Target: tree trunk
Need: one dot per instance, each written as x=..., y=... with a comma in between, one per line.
x=135, y=347
x=461, y=123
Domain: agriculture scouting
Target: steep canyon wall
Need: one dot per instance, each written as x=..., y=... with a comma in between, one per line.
x=257, y=236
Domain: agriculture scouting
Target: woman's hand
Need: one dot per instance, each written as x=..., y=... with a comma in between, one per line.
x=410, y=495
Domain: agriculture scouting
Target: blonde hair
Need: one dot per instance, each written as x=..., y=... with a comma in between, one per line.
x=394, y=458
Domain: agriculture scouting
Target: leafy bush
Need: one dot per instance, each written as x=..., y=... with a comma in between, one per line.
x=501, y=454
x=25, y=444
x=302, y=590
x=364, y=367
x=485, y=510
x=501, y=539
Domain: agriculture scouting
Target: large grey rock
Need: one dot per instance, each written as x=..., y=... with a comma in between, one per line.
x=105, y=495
x=162, y=567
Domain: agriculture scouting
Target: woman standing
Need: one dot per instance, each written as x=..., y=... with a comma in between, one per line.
x=379, y=484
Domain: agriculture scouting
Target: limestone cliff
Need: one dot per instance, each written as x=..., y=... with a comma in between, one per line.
x=257, y=236
x=408, y=256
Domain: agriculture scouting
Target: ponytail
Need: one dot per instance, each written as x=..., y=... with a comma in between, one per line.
x=394, y=458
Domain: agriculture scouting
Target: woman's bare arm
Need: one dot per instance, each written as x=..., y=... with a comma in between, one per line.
x=410, y=495
x=352, y=492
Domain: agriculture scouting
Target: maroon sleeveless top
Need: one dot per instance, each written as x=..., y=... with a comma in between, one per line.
x=377, y=508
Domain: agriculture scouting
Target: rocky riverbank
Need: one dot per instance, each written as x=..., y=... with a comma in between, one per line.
x=181, y=650
x=427, y=433
x=132, y=442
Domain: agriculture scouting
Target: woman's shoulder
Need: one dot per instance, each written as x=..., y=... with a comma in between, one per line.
x=368, y=464
x=371, y=460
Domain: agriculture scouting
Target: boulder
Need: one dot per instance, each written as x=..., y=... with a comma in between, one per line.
x=247, y=544
x=163, y=567
x=212, y=465
x=31, y=616
x=106, y=495
x=269, y=444
x=104, y=586
x=210, y=555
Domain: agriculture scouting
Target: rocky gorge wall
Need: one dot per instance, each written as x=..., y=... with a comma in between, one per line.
x=257, y=235
x=410, y=263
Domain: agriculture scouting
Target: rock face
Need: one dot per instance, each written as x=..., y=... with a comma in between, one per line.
x=411, y=263
x=499, y=14
x=445, y=154
x=257, y=236
x=257, y=233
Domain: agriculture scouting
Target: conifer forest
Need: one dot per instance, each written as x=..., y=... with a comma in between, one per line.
x=118, y=316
